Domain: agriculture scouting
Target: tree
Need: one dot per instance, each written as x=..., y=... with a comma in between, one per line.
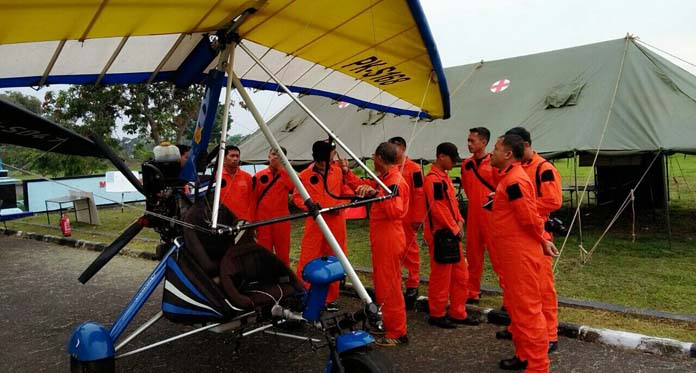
x=43, y=163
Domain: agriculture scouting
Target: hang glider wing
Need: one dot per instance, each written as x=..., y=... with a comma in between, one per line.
x=21, y=127
x=377, y=54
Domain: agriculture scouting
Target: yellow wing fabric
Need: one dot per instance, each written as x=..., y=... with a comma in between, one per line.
x=377, y=54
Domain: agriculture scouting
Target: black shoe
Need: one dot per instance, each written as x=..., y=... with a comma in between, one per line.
x=503, y=334
x=553, y=346
x=441, y=322
x=410, y=297
x=469, y=320
x=472, y=301
x=331, y=307
x=513, y=364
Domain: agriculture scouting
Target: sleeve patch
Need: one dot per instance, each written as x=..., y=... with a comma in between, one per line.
x=418, y=179
x=469, y=165
x=314, y=179
x=438, y=191
x=547, y=176
x=514, y=192
x=264, y=179
x=223, y=183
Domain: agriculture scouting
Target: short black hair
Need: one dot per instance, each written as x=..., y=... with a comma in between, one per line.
x=482, y=132
x=229, y=148
x=521, y=132
x=387, y=151
x=515, y=143
x=398, y=140
x=183, y=148
x=285, y=151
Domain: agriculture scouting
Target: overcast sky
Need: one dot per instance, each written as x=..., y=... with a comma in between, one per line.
x=470, y=31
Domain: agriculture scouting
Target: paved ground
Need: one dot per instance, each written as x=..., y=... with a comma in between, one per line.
x=41, y=302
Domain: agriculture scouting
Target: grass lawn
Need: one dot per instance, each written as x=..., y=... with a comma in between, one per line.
x=650, y=272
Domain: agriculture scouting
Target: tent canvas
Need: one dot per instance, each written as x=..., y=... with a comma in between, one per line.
x=566, y=98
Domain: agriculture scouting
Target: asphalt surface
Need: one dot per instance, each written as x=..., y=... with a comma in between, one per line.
x=41, y=302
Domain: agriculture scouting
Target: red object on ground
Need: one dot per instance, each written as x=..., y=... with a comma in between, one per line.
x=65, y=225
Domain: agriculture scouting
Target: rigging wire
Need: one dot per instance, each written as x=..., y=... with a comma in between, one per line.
x=594, y=161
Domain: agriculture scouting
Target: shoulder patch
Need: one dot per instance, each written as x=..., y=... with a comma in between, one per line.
x=469, y=165
x=418, y=179
x=223, y=183
x=438, y=191
x=314, y=179
x=513, y=191
x=264, y=179
x=547, y=176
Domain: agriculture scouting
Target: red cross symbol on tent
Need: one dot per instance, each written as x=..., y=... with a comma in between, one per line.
x=500, y=85
x=343, y=104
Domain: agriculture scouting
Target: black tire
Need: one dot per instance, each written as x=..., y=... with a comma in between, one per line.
x=364, y=360
x=107, y=365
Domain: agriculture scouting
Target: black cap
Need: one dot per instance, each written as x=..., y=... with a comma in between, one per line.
x=321, y=150
x=449, y=149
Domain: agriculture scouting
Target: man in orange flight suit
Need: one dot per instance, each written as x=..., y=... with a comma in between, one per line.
x=447, y=280
x=340, y=181
x=272, y=186
x=521, y=248
x=236, y=191
x=387, y=242
x=549, y=198
x=478, y=182
x=413, y=176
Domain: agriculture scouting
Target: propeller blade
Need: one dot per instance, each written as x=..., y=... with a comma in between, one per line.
x=116, y=160
x=113, y=249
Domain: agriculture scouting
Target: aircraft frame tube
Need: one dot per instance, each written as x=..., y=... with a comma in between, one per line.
x=328, y=235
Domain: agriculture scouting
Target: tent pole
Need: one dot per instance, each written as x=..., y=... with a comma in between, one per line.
x=577, y=196
x=665, y=180
x=328, y=235
x=314, y=117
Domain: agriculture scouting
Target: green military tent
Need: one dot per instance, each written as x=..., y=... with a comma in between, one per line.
x=618, y=97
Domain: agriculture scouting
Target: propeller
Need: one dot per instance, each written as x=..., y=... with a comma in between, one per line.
x=119, y=243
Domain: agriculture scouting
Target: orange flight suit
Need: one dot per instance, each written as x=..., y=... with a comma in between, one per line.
x=314, y=245
x=518, y=238
x=237, y=194
x=549, y=197
x=388, y=246
x=478, y=183
x=447, y=281
x=413, y=176
x=271, y=190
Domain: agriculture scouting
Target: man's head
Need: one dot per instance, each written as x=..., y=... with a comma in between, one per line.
x=385, y=156
x=232, y=158
x=323, y=150
x=478, y=139
x=526, y=137
x=509, y=148
x=447, y=156
x=183, y=151
x=400, y=147
x=274, y=158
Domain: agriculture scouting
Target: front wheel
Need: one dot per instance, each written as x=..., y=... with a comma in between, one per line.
x=107, y=365
x=364, y=359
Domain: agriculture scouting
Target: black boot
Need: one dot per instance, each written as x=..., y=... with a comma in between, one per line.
x=553, y=346
x=441, y=322
x=503, y=334
x=469, y=320
x=513, y=364
x=410, y=297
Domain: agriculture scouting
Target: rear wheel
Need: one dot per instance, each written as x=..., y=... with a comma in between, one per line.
x=364, y=359
x=107, y=365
